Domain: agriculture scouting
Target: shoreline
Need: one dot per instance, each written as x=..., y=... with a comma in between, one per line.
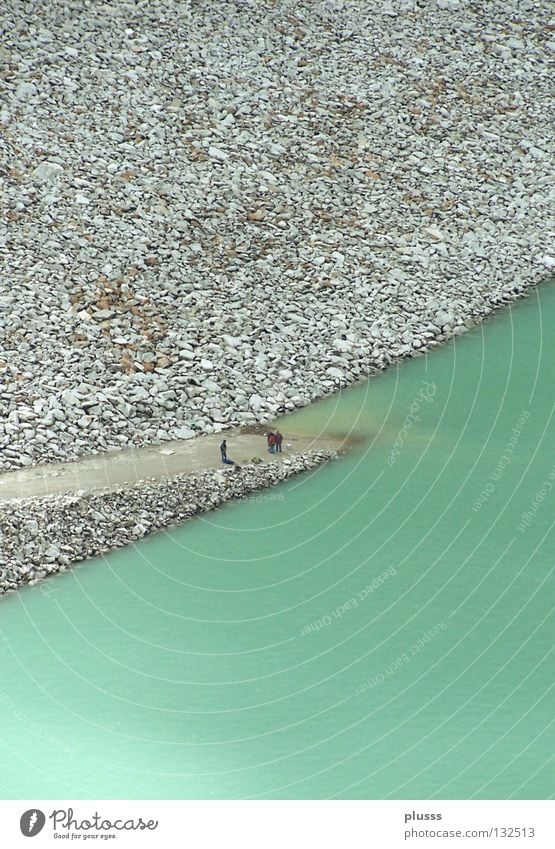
x=125, y=467
x=43, y=468
x=257, y=425
x=43, y=536
x=35, y=499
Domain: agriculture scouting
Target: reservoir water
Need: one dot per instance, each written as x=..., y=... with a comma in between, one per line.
x=380, y=628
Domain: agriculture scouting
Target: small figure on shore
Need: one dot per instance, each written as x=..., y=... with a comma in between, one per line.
x=223, y=450
x=271, y=442
x=278, y=440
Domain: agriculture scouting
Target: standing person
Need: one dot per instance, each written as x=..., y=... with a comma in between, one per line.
x=279, y=439
x=271, y=442
x=223, y=450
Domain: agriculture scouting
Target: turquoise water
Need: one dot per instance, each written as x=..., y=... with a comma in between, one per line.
x=380, y=628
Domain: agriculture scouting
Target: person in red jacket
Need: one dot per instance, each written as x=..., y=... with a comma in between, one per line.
x=271, y=442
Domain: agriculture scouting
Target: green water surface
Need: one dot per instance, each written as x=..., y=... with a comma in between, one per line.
x=379, y=628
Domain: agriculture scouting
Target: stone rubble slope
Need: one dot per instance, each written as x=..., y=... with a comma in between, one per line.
x=42, y=536
x=214, y=212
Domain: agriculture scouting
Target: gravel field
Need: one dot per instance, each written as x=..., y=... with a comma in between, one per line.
x=215, y=212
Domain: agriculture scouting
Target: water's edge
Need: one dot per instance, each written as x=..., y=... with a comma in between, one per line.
x=44, y=536
x=123, y=496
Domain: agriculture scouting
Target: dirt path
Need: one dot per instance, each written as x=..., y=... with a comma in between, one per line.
x=152, y=461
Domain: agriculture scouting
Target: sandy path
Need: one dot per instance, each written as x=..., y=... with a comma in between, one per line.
x=152, y=461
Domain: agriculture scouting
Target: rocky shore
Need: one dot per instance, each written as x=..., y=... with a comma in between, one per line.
x=43, y=536
x=215, y=213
